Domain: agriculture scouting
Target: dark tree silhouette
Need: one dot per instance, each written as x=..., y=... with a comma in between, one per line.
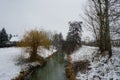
x=3, y=36
x=73, y=41
x=57, y=41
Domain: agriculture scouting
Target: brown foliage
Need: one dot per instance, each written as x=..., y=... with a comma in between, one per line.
x=69, y=69
x=33, y=39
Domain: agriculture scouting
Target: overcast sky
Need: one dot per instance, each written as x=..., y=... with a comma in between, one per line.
x=17, y=16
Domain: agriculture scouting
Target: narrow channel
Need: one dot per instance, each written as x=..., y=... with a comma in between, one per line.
x=53, y=70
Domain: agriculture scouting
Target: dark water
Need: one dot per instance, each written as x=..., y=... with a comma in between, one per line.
x=53, y=70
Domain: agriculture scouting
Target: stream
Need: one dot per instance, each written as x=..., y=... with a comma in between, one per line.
x=53, y=70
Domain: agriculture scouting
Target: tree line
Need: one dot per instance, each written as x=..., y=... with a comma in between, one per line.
x=34, y=39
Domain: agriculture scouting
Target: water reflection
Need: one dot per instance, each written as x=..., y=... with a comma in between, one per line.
x=53, y=70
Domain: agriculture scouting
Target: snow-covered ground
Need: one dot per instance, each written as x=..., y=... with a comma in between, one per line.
x=8, y=67
x=100, y=70
x=45, y=52
x=85, y=52
x=9, y=57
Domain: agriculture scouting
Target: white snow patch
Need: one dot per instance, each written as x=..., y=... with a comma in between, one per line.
x=9, y=57
x=45, y=52
x=85, y=52
x=99, y=69
x=8, y=67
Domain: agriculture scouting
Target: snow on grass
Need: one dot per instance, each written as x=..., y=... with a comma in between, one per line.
x=85, y=52
x=100, y=70
x=9, y=57
x=8, y=67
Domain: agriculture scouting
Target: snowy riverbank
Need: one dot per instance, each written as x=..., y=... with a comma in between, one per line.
x=9, y=60
x=98, y=68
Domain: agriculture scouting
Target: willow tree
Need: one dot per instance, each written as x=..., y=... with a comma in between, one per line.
x=33, y=39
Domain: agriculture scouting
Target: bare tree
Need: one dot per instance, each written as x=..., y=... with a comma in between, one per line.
x=102, y=16
x=114, y=15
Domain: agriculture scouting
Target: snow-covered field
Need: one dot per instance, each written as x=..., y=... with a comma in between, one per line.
x=9, y=57
x=100, y=70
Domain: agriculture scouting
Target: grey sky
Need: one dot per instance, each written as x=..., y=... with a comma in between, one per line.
x=17, y=16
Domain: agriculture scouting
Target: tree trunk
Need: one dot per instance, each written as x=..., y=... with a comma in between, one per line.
x=100, y=14
x=33, y=54
x=107, y=30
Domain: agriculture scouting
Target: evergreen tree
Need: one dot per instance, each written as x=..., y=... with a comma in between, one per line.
x=3, y=36
x=74, y=36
